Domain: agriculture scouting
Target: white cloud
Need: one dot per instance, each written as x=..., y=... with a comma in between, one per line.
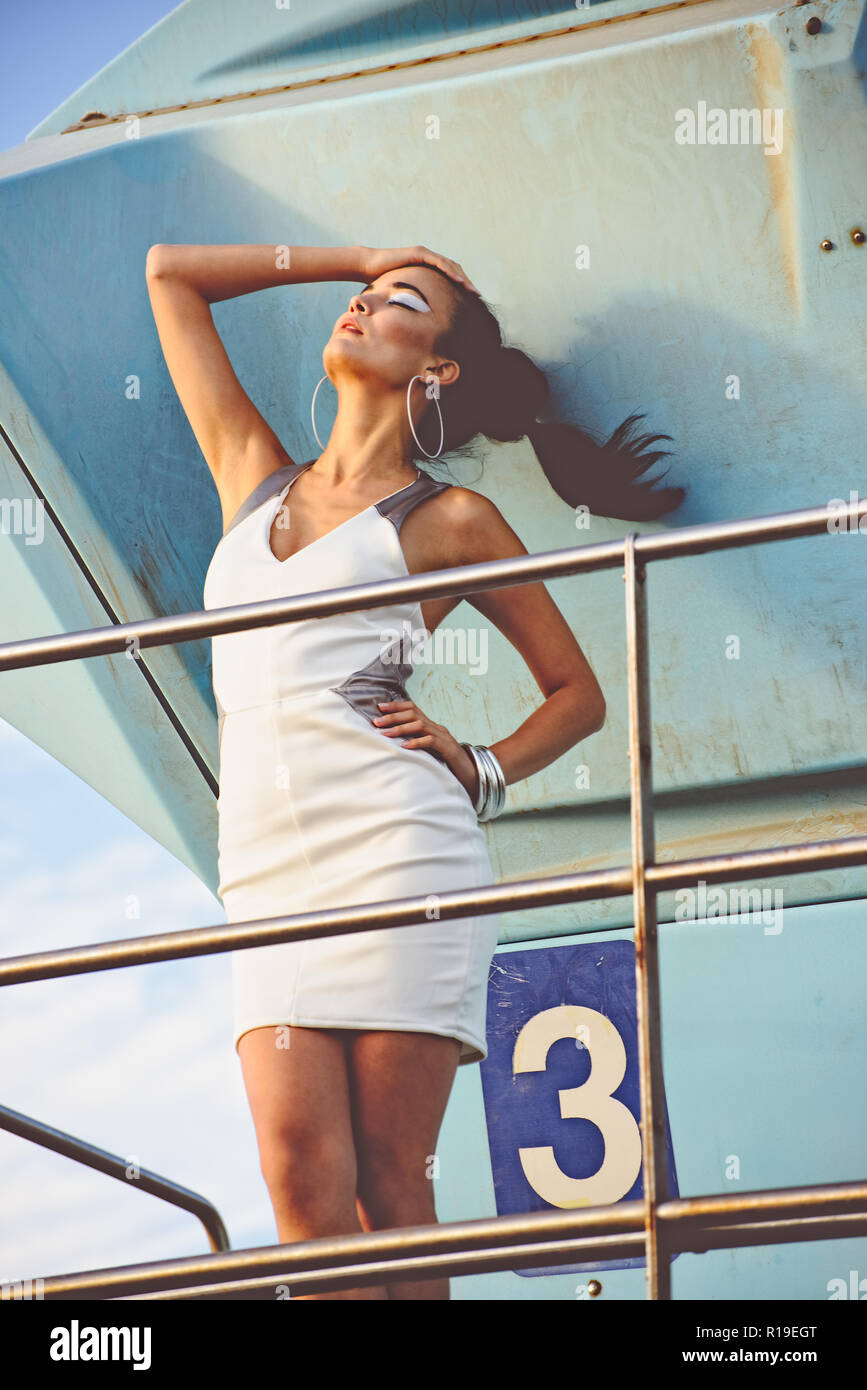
x=138, y=1061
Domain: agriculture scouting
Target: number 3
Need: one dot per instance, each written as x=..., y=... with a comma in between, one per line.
x=591, y=1101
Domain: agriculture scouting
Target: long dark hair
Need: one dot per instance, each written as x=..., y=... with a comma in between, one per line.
x=499, y=394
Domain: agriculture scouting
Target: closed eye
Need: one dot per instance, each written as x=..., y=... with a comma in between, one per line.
x=409, y=301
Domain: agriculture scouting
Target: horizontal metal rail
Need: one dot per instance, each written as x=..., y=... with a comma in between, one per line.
x=25, y=1127
x=525, y=1257
x=462, y=579
x=655, y=1224
x=802, y=1228
x=494, y=1243
x=525, y=894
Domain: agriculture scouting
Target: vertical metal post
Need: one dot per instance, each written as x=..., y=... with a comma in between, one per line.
x=658, y=1263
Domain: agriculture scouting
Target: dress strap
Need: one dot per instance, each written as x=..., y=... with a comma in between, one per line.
x=269, y=487
x=398, y=506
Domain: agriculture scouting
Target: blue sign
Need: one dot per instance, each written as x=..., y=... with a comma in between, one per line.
x=560, y=1083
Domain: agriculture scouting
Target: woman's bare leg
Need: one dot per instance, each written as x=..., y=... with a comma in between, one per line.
x=399, y=1087
x=300, y=1103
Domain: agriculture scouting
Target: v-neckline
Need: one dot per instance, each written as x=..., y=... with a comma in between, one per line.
x=273, y=515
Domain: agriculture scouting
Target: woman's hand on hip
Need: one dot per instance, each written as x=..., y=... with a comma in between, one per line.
x=376, y=262
x=406, y=721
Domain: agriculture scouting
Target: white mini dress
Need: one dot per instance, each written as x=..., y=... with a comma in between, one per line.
x=319, y=809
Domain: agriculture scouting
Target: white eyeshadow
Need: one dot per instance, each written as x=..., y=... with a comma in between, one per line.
x=403, y=294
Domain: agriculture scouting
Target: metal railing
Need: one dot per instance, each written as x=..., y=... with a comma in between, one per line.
x=25, y=1127
x=656, y=1225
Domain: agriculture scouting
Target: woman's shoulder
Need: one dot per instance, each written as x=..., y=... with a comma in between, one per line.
x=470, y=527
x=463, y=506
x=474, y=527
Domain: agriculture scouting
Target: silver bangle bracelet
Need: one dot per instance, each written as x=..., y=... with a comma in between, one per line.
x=498, y=784
x=491, y=797
x=481, y=777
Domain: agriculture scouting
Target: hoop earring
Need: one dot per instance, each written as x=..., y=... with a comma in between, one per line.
x=313, y=411
x=432, y=381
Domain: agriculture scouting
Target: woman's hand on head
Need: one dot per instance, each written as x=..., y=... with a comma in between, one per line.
x=376, y=262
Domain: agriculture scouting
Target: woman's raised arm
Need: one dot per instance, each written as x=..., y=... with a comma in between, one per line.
x=238, y=444
x=222, y=272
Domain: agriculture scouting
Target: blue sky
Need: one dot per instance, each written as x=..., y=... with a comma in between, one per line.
x=135, y=1061
x=49, y=48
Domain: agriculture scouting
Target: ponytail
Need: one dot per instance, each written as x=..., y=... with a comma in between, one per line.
x=501, y=391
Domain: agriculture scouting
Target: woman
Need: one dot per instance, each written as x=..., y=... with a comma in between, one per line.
x=335, y=788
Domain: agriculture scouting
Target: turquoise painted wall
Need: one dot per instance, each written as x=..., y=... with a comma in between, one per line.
x=701, y=297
